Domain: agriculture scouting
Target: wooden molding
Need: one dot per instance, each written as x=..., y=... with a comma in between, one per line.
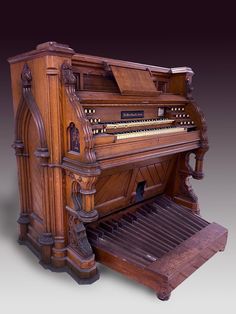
x=27, y=102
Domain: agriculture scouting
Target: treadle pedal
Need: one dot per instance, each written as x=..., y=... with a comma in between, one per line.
x=159, y=243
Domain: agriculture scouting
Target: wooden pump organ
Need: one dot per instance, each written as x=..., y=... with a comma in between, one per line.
x=103, y=149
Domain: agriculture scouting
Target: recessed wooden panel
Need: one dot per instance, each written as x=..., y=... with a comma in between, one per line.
x=99, y=83
x=112, y=187
x=134, y=82
x=118, y=190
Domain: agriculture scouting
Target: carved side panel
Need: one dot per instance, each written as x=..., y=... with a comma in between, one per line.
x=87, y=153
x=32, y=158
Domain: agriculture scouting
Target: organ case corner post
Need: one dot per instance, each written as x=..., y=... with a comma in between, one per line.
x=53, y=55
x=83, y=179
x=28, y=109
x=37, y=101
x=84, y=266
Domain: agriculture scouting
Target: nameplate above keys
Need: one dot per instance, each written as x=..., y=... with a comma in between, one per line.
x=132, y=114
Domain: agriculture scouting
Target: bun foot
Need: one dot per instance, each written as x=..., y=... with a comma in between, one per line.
x=163, y=296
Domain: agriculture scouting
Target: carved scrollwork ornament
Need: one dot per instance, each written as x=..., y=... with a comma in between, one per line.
x=67, y=74
x=189, y=86
x=78, y=237
x=26, y=76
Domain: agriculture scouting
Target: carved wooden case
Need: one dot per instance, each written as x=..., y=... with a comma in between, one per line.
x=85, y=194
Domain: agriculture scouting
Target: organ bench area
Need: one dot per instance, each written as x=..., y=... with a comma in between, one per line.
x=103, y=149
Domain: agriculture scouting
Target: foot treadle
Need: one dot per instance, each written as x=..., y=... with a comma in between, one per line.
x=159, y=244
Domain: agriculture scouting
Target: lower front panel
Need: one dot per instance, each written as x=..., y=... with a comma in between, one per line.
x=158, y=243
x=120, y=188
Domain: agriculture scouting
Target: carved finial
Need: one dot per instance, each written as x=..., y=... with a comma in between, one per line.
x=189, y=86
x=67, y=74
x=26, y=76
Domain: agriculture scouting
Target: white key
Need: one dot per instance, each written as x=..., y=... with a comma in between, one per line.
x=139, y=123
x=150, y=132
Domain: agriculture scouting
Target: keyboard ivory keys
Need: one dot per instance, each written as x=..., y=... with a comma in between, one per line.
x=150, y=132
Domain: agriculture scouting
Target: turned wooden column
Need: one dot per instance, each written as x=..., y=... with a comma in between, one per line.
x=24, y=218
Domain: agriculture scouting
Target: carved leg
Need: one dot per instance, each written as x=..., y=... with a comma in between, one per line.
x=181, y=191
x=80, y=257
x=186, y=195
x=198, y=171
x=81, y=260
